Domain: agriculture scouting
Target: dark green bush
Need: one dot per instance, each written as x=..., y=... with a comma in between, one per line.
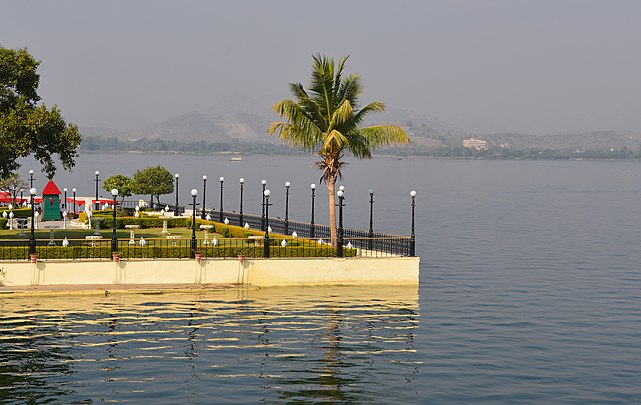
x=23, y=212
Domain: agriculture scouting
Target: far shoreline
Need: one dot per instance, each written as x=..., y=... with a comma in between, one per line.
x=296, y=153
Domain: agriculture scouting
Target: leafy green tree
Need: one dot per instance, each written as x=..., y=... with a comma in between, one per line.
x=27, y=127
x=326, y=119
x=122, y=183
x=153, y=181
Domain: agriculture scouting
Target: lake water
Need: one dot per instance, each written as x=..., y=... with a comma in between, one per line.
x=530, y=293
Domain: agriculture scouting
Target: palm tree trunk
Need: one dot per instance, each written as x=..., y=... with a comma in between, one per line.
x=332, y=210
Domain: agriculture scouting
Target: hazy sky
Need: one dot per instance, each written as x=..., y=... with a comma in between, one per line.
x=532, y=66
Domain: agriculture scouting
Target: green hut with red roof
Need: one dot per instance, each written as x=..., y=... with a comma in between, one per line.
x=51, y=202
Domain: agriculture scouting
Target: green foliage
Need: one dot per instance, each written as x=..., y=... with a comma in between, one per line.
x=232, y=231
x=23, y=212
x=144, y=222
x=26, y=127
x=120, y=182
x=327, y=119
x=153, y=181
x=86, y=251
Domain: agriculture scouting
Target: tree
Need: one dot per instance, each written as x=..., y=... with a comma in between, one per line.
x=122, y=183
x=26, y=127
x=12, y=184
x=326, y=119
x=153, y=181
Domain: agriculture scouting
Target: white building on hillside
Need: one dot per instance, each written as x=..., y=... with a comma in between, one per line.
x=477, y=144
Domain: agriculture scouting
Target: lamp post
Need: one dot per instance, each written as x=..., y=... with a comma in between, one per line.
x=73, y=190
x=287, y=184
x=65, y=204
x=21, y=193
x=413, y=236
x=176, y=209
x=96, y=203
x=371, y=219
x=32, y=238
x=339, y=246
x=240, y=218
x=266, y=194
x=114, y=237
x=31, y=179
x=222, y=181
x=311, y=227
x=194, y=194
x=202, y=211
x=64, y=219
x=262, y=214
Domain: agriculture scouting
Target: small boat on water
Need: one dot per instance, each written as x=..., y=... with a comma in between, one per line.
x=236, y=159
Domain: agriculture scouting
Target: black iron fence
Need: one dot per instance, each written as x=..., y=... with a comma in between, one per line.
x=181, y=248
x=367, y=243
x=382, y=242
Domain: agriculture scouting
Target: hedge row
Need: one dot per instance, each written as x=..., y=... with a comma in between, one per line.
x=167, y=252
x=23, y=212
x=144, y=222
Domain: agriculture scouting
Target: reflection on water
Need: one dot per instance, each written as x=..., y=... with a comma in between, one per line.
x=312, y=344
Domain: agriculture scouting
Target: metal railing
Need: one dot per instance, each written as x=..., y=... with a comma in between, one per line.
x=180, y=248
x=375, y=241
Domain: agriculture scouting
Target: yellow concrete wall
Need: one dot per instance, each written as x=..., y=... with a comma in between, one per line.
x=258, y=272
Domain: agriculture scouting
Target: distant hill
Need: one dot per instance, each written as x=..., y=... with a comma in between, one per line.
x=235, y=122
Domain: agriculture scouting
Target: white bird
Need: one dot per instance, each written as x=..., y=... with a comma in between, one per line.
x=226, y=221
x=143, y=242
x=349, y=245
x=65, y=242
x=320, y=241
x=214, y=241
x=283, y=243
x=294, y=235
x=269, y=228
x=246, y=225
x=208, y=217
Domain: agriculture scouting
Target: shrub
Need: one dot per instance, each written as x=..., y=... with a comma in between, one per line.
x=22, y=212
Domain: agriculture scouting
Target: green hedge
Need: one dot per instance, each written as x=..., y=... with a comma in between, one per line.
x=24, y=212
x=167, y=252
x=145, y=222
x=15, y=252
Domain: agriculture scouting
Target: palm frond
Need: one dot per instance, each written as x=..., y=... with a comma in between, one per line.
x=338, y=76
x=322, y=86
x=342, y=115
x=334, y=143
x=300, y=130
x=373, y=107
x=359, y=145
x=351, y=89
x=380, y=135
x=308, y=105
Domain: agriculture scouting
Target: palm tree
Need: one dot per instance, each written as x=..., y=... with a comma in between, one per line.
x=326, y=119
